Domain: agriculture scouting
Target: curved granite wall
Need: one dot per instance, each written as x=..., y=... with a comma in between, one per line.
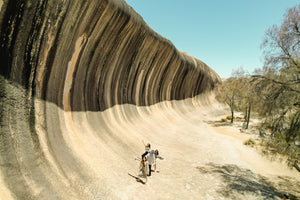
x=60, y=58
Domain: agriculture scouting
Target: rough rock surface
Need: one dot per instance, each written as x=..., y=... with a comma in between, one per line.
x=82, y=83
x=91, y=55
x=59, y=58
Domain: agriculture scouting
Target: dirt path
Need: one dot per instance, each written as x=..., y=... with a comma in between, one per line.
x=272, y=169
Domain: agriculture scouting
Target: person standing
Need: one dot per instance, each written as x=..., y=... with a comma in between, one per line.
x=143, y=170
x=147, y=149
x=151, y=160
x=157, y=156
x=244, y=126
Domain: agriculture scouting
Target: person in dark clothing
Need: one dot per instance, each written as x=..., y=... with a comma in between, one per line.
x=147, y=150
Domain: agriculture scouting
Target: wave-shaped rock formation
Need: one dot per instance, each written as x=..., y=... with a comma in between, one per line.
x=75, y=76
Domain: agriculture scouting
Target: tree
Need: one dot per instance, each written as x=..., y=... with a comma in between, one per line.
x=227, y=94
x=232, y=91
x=282, y=44
x=244, y=100
x=278, y=83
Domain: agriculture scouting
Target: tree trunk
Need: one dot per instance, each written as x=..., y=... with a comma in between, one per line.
x=248, y=116
x=231, y=107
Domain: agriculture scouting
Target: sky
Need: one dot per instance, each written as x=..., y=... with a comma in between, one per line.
x=224, y=34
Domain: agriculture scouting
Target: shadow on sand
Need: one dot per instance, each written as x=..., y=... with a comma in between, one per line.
x=237, y=182
x=137, y=179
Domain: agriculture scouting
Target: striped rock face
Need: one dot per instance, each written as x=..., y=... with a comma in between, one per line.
x=77, y=78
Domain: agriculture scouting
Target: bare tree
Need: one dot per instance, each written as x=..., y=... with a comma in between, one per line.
x=233, y=91
x=282, y=44
x=227, y=94
x=244, y=100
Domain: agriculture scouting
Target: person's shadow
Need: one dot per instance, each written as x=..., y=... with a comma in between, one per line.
x=137, y=179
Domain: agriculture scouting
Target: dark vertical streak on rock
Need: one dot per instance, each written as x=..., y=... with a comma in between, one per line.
x=10, y=21
x=32, y=48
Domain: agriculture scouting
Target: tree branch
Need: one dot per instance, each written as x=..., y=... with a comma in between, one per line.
x=256, y=77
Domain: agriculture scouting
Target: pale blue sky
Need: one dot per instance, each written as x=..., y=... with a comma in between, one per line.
x=225, y=34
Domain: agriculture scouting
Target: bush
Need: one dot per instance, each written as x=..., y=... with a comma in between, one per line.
x=228, y=117
x=249, y=142
x=223, y=120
